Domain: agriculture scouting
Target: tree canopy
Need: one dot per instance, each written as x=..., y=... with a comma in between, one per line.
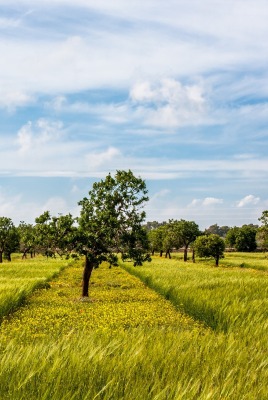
x=110, y=222
x=210, y=246
x=9, y=240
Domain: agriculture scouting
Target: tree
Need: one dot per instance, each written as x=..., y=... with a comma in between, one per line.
x=218, y=230
x=13, y=243
x=6, y=236
x=210, y=246
x=155, y=237
x=187, y=233
x=246, y=238
x=27, y=238
x=170, y=238
x=110, y=222
x=243, y=238
x=262, y=232
x=230, y=238
x=55, y=235
x=152, y=225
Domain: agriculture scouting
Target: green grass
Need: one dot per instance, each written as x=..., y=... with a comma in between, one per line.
x=226, y=299
x=21, y=277
x=127, y=342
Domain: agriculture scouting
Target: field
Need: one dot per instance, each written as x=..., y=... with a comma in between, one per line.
x=190, y=331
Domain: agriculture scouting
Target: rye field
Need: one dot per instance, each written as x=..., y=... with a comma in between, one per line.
x=166, y=330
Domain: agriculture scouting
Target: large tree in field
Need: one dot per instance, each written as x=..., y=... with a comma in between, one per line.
x=110, y=222
x=210, y=246
x=8, y=237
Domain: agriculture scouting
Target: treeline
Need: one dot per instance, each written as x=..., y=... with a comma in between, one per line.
x=53, y=236
x=180, y=234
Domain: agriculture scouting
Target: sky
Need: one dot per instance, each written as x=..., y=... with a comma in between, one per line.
x=174, y=90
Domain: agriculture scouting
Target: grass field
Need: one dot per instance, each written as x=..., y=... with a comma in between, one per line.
x=19, y=278
x=128, y=342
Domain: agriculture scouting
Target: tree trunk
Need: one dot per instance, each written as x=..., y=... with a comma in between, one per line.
x=1, y=256
x=161, y=253
x=185, y=254
x=168, y=254
x=193, y=256
x=86, y=276
x=9, y=257
x=217, y=260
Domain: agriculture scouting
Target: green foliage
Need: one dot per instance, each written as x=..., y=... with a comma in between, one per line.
x=243, y=238
x=55, y=235
x=8, y=238
x=174, y=235
x=246, y=238
x=111, y=219
x=28, y=238
x=210, y=246
x=262, y=233
x=217, y=230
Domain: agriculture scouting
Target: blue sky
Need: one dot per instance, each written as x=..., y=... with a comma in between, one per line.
x=176, y=91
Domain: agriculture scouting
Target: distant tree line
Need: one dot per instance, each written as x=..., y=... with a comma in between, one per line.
x=173, y=235
x=53, y=236
x=111, y=221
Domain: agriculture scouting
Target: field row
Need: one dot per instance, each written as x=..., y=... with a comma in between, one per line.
x=127, y=342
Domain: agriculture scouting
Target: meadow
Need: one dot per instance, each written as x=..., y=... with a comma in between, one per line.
x=19, y=278
x=202, y=336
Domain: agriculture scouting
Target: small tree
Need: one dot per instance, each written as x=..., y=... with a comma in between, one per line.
x=187, y=233
x=7, y=237
x=27, y=239
x=210, y=246
x=246, y=238
x=13, y=243
x=110, y=222
x=55, y=235
x=262, y=233
x=230, y=238
x=155, y=239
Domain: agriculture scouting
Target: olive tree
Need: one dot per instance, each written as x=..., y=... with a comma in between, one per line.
x=210, y=246
x=110, y=222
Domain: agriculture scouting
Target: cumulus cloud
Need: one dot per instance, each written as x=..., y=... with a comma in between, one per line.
x=168, y=103
x=248, y=201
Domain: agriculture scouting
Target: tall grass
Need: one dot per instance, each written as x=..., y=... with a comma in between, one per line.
x=128, y=343
x=226, y=299
x=154, y=364
x=21, y=277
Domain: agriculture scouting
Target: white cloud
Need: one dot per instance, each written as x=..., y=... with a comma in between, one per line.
x=168, y=103
x=67, y=59
x=210, y=201
x=11, y=99
x=248, y=200
x=206, y=202
x=96, y=160
x=33, y=136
